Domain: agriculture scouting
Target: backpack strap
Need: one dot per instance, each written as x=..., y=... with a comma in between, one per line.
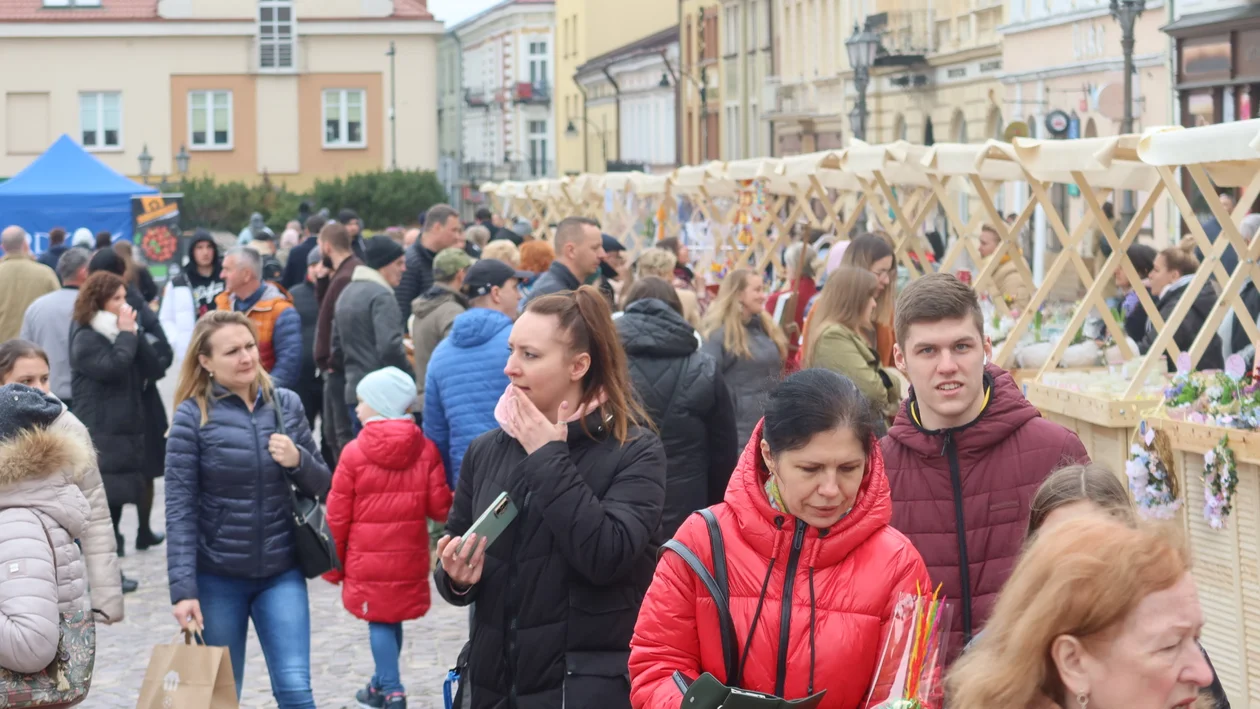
x=718, y=587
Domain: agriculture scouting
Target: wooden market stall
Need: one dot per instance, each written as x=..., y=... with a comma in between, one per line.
x=1096, y=401
x=1226, y=556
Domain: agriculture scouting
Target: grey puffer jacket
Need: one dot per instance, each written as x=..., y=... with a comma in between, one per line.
x=227, y=501
x=434, y=314
x=100, y=550
x=749, y=379
x=367, y=330
x=42, y=511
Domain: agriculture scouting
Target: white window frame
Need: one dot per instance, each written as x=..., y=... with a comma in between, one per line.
x=275, y=6
x=732, y=34
x=344, y=144
x=539, y=60
x=538, y=140
x=231, y=125
x=100, y=146
x=72, y=3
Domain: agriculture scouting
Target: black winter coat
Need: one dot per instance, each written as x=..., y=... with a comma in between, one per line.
x=685, y=395
x=416, y=280
x=561, y=587
x=108, y=382
x=1190, y=326
x=227, y=500
x=307, y=305
x=155, y=421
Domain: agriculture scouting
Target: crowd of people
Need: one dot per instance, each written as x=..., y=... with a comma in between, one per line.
x=821, y=444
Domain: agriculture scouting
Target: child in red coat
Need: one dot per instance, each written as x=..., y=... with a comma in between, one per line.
x=389, y=481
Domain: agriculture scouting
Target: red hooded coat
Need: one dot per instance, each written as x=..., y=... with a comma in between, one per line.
x=1001, y=460
x=389, y=481
x=858, y=568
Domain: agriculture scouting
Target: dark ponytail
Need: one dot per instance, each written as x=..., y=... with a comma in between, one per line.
x=585, y=316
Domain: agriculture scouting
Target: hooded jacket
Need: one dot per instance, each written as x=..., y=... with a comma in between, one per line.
x=962, y=495
x=557, y=600
x=686, y=397
x=1190, y=325
x=458, y=407
x=190, y=295
x=434, y=313
x=367, y=333
x=279, y=330
x=97, y=543
x=389, y=482
x=843, y=582
x=42, y=512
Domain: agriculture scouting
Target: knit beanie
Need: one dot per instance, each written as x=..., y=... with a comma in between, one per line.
x=381, y=251
x=83, y=238
x=389, y=391
x=107, y=260
x=23, y=408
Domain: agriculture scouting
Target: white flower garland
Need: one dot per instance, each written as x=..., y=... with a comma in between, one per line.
x=1220, y=482
x=1150, y=482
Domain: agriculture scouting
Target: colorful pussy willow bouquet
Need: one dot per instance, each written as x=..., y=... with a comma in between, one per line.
x=911, y=667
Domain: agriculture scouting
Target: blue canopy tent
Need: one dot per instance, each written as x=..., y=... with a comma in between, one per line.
x=70, y=188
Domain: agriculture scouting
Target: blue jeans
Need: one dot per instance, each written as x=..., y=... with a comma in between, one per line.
x=355, y=424
x=282, y=618
x=386, y=641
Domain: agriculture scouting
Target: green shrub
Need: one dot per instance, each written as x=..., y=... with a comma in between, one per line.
x=381, y=199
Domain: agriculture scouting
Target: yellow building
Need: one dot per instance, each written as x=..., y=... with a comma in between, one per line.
x=747, y=61
x=589, y=29
x=296, y=90
x=935, y=77
x=700, y=80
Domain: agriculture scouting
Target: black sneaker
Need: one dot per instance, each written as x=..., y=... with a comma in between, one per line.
x=370, y=698
x=129, y=585
x=146, y=539
x=397, y=700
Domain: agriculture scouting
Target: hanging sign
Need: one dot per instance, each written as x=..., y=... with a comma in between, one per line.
x=1057, y=123
x=157, y=232
x=1015, y=129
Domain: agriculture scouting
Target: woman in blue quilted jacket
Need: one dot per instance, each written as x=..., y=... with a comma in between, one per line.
x=231, y=556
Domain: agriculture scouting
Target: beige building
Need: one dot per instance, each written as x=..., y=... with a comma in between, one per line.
x=747, y=62
x=935, y=77
x=590, y=29
x=295, y=90
x=700, y=81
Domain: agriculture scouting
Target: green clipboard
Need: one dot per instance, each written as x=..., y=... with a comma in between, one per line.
x=708, y=693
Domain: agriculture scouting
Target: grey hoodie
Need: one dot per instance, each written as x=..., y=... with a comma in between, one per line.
x=39, y=580
x=434, y=313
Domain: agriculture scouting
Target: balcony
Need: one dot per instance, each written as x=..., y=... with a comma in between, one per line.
x=477, y=98
x=794, y=101
x=905, y=37
x=532, y=94
x=476, y=173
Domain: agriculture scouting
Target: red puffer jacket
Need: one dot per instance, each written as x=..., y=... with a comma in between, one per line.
x=967, y=492
x=388, y=482
x=844, y=582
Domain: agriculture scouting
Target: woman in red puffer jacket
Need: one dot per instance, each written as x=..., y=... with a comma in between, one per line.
x=805, y=517
x=389, y=481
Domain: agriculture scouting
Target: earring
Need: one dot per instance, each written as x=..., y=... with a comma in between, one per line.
x=210, y=373
x=1082, y=698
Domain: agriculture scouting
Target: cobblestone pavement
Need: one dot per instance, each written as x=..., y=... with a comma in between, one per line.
x=341, y=660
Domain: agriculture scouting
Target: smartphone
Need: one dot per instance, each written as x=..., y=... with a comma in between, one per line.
x=491, y=523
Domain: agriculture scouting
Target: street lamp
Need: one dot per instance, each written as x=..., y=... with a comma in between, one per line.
x=862, y=47
x=1127, y=13
x=571, y=131
x=181, y=160
x=146, y=163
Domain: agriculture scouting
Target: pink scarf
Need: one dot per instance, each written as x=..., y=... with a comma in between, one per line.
x=500, y=409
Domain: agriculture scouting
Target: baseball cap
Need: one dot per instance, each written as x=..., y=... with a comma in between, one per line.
x=611, y=244
x=450, y=261
x=488, y=273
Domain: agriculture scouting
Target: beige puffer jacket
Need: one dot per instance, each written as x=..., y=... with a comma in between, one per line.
x=39, y=500
x=100, y=550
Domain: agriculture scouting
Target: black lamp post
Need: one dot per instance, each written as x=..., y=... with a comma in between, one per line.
x=1127, y=13
x=571, y=131
x=146, y=163
x=862, y=47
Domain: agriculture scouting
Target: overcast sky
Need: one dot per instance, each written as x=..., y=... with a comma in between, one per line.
x=454, y=11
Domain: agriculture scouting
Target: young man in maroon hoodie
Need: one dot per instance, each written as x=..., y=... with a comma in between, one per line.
x=966, y=452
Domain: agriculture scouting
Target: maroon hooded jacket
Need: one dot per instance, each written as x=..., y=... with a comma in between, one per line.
x=962, y=495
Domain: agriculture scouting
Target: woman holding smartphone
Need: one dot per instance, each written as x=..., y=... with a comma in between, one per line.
x=557, y=589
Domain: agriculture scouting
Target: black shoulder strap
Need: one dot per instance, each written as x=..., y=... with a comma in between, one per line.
x=718, y=587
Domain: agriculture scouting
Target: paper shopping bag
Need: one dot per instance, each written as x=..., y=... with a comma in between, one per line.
x=185, y=675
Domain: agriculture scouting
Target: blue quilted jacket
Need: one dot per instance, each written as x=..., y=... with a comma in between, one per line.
x=464, y=382
x=227, y=501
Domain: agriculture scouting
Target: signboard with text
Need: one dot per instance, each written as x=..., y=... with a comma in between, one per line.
x=157, y=232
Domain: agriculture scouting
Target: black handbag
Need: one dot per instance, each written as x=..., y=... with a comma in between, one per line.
x=316, y=549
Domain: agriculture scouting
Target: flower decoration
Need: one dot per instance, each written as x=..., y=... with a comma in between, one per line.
x=1220, y=482
x=1150, y=480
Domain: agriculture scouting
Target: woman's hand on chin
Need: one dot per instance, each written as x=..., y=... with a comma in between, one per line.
x=529, y=426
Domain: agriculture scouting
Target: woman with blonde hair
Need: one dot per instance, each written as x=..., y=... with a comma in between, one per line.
x=874, y=253
x=845, y=310
x=1098, y=614
x=662, y=263
x=238, y=448
x=502, y=250
x=749, y=347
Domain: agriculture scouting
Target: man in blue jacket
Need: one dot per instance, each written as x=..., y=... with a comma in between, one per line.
x=465, y=377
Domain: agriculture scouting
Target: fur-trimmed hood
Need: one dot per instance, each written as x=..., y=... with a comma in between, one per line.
x=39, y=469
